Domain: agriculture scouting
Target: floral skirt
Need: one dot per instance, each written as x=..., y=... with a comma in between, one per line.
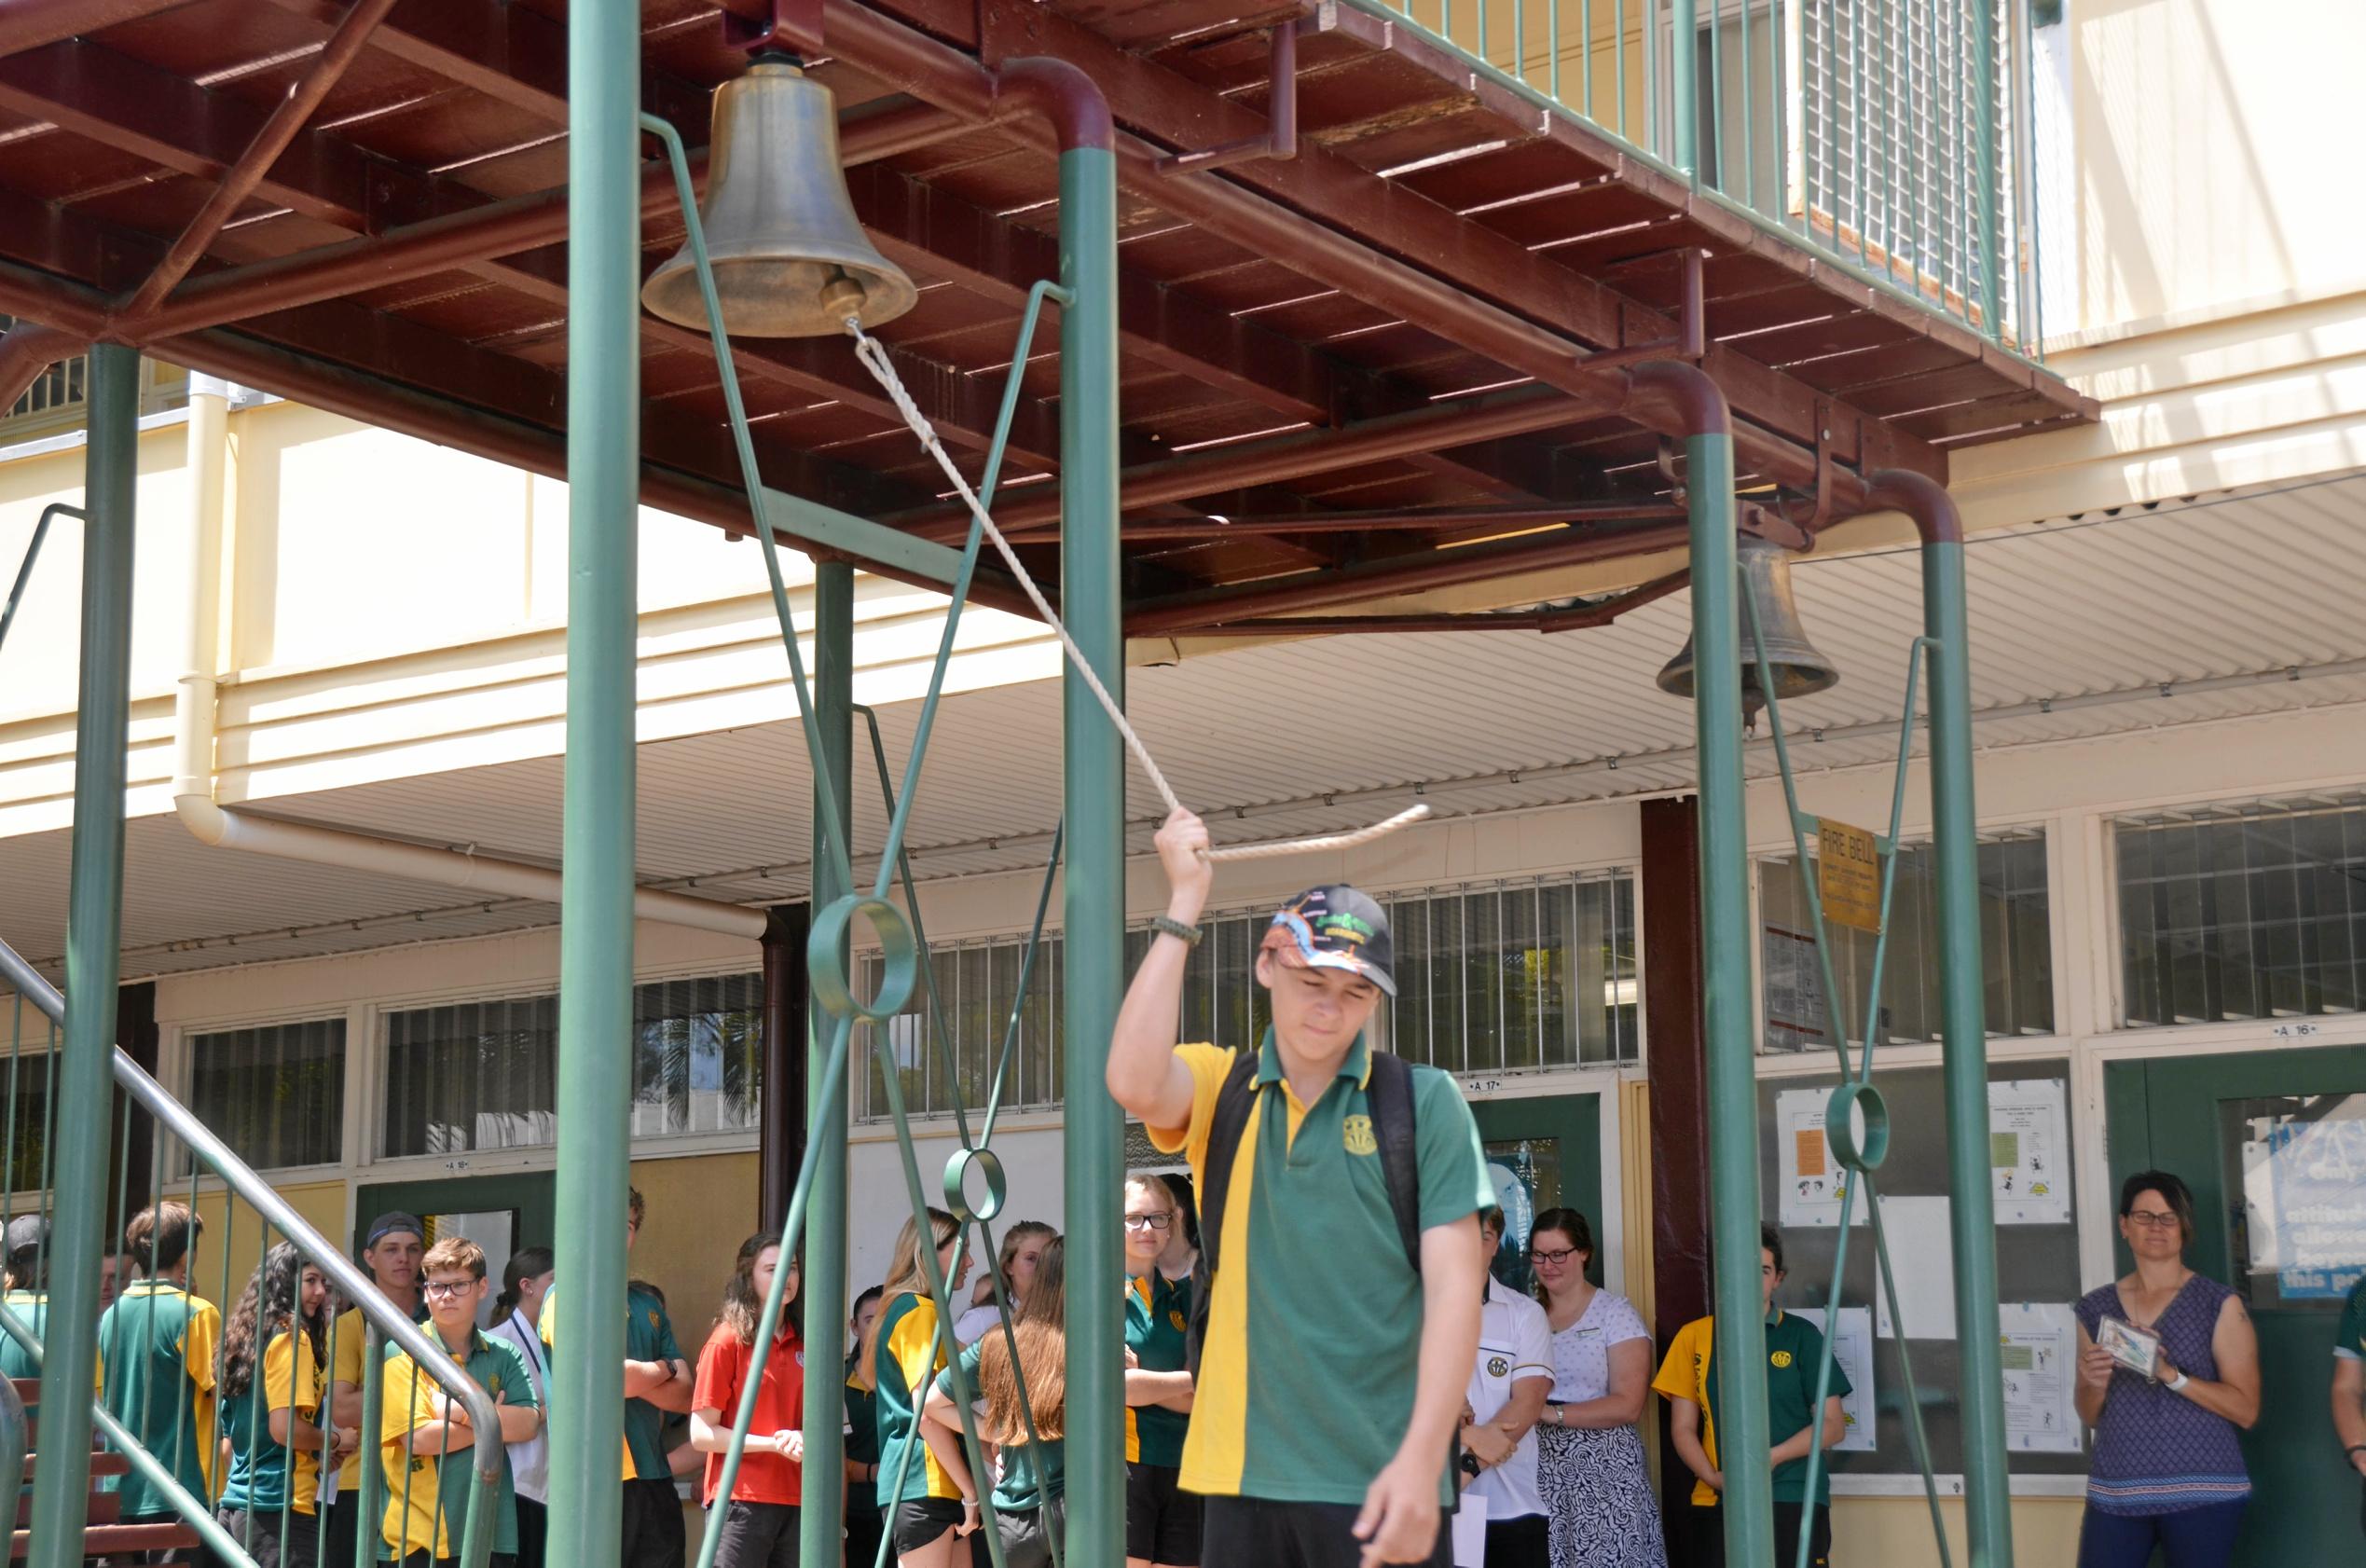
x=1597, y=1491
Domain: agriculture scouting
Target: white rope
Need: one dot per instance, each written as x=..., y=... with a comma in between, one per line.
x=883, y=370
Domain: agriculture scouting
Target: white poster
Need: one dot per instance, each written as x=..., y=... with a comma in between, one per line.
x=1922, y=1257
x=2029, y=1141
x=1794, y=990
x=1470, y=1531
x=1852, y=1349
x=2039, y=1347
x=1812, y=1180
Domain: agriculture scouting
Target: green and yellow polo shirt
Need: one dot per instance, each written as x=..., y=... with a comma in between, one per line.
x=1794, y=1349
x=1032, y=1474
x=902, y=1369
x=649, y=1336
x=30, y=1309
x=1158, y=1330
x=428, y=1495
x=155, y=1376
x=1313, y=1342
x=289, y=1378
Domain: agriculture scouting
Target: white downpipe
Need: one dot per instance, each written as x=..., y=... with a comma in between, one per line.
x=193, y=736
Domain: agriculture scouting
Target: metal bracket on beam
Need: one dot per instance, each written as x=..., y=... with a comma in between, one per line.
x=1779, y=521
x=795, y=28
x=1691, y=342
x=1280, y=139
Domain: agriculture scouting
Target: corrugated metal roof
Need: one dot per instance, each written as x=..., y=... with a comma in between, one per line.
x=2123, y=602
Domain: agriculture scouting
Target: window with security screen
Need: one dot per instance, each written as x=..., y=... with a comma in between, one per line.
x=2242, y=912
x=2016, y=951
x=1508, y=977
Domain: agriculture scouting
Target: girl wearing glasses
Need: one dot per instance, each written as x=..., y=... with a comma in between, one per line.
x=2169, y=1469
x=1161, y=1522
x=1589, y=1457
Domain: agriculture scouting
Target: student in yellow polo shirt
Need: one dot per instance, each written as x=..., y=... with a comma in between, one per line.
x=1331, y=1377
x=1794, y=1353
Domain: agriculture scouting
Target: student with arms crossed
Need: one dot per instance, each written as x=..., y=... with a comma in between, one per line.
x=425, y=1437
x=390, y=1250
x=1688, y=1382
x=1331, y=1380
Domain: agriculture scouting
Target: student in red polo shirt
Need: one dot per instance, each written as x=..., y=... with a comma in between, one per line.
x=760, y=1520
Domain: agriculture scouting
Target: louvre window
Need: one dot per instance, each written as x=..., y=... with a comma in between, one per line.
x=2243, y=912
x=2015, y=946
x=485, y=1075
x=275, y=1094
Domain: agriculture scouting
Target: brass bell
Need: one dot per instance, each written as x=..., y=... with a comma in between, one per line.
x=790, y=258
x=1799, y=670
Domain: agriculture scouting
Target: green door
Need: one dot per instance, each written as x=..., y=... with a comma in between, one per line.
x=503, y=1214
x=2273, y=1144
x=1542, y=1153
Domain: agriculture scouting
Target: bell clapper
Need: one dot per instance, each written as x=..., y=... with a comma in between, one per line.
x=842, y=297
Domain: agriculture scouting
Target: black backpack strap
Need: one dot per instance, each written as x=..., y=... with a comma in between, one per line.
x=1388, y=1095
x=1234, y=1099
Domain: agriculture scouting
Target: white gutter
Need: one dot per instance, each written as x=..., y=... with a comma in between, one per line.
x=193, y=736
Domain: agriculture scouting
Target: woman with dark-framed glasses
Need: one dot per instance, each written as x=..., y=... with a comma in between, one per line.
x=2168, y=1374
x=1590, y=1455
x=1162, y=1522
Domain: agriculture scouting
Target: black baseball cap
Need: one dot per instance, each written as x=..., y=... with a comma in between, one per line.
x=392, y=1222
x=1336, y=927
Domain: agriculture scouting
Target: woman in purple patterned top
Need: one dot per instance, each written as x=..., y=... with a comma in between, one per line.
x=2169, y=1469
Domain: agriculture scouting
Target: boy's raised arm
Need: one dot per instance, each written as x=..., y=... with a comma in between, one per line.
x=1143, y=1074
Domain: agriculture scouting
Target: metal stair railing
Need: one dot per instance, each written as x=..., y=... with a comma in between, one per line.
x=384, y=1322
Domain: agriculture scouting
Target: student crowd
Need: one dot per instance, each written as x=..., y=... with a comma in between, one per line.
x=1300, y=1385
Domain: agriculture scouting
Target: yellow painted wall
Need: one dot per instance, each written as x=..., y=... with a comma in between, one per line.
x=233, y=1229
x=700, y=1210
x=1895, y=1532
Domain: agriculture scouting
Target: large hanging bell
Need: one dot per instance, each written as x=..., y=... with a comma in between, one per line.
x=790, y=259
x=1799, y=670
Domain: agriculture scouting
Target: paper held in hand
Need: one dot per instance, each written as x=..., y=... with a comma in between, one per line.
x=2137, y=1349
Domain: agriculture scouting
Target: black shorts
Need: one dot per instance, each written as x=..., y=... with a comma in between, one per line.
x=1709, y=1534
x=259, y=1533
x=1259, y=1533
x=1161, y=1521
x=653, y=1529
x=1025, y=1536
x=922, y=1520
x=1525, y=1542
x=757, y=1535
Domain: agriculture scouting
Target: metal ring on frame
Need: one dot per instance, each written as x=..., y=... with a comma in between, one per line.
x=1850, y=1101
x=899, y=951
x=957, y=1184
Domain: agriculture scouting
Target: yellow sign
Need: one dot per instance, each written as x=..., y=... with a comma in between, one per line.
x=1849, y=875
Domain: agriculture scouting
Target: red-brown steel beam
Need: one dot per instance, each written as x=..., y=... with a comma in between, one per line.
x=1575, y=617
x=27, y=350
x=287, y=117
x=1029, y=515
x=1436, y=520
x=28, y=24
x=1430, y=568
x=1515, y=305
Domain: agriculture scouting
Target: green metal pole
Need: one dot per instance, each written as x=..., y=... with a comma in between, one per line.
x=1744, y=1441
x=824, y=1287
x=1963, y=1033
x=1091, y=598
x=1684, y=98
x=93, y=961
x=595, y=909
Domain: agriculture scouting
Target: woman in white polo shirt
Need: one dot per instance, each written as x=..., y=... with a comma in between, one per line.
x=1507, y=1390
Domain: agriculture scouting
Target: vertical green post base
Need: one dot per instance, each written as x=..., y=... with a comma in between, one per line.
x=824, y=1283
x=93, y=961
x=1095, y=954
x=1963, y=1033
x=596, y=910
x=1742, y=1437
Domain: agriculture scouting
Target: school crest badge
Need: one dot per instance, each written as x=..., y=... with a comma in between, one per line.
x=1356, y=1134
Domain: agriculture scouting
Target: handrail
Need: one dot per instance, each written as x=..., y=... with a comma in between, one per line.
x=31, y=553
x=489, y=1455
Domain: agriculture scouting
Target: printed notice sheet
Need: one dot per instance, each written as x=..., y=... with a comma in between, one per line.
x=1922, y=1257
x=1853, y=1348
x=1812, y=1180
x=2029, y=1138
x=2039, y=1347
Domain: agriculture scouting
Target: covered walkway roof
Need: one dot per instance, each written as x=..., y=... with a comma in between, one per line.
x=1399, y=359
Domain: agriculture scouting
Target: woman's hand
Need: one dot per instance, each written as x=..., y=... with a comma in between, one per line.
x=2095, y=1365
x=968, y=1518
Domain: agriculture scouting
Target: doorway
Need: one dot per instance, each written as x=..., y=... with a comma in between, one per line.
x=1543, y=1151
x=2273, y=1146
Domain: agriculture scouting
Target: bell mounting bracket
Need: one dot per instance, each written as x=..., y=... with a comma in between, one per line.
x=794, y=28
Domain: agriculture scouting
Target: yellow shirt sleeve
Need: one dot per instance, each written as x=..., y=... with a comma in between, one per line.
x=915, y=1335
x=198, y=1343
x=1679, y=1376
x=1209, y=1064
x=291, y=1375
x=353, y=1339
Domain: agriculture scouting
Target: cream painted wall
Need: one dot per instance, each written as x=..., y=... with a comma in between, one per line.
x=1895, y=1532
x=234, y=1230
